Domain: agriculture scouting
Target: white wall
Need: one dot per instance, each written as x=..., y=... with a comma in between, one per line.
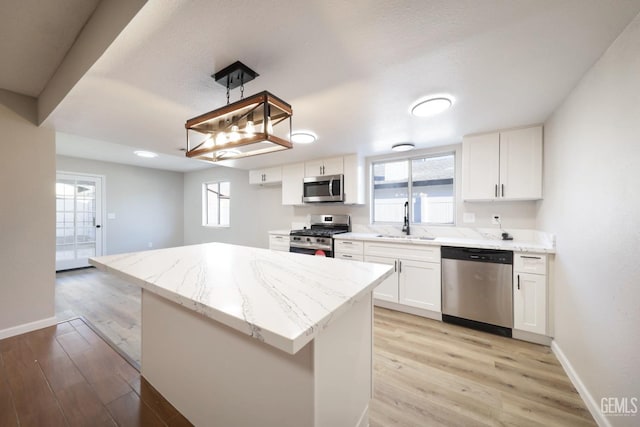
x=254, y=209
x=592, y=204
x=27, y=221
x=148, y=204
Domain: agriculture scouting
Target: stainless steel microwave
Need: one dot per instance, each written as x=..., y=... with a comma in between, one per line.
x=326, y=188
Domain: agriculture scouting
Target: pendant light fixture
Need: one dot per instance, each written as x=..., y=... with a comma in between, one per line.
x=248, y=127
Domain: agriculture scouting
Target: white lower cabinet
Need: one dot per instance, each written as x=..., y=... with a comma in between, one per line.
x=416, y=282
x=530, y=294
x=279, y=242
x=348, y=249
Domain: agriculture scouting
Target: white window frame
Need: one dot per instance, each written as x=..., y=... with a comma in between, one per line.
x=205, y=204
x=409, y=159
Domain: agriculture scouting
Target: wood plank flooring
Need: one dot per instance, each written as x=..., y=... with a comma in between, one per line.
x=66, y=375
x=426, y=373
x=111, y=305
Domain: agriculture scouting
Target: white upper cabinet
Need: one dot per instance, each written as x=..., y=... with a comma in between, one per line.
x=354, y=182
x=331, y=166
x=481, y=166
x=265, y=176
x=292, y=177
x=503, y=166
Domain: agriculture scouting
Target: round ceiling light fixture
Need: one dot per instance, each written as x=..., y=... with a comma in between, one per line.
x=403, y=146
x=427, y=107
x=303, y=137
x=145, y=154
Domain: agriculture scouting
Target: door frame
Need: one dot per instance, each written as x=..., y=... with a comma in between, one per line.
x=103, y=201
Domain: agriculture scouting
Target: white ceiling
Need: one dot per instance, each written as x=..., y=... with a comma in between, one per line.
x=349, y=69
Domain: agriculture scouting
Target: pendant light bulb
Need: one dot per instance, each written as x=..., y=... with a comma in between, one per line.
x=269, y=126
x=234, y=135
x=250, y=128
x=221, y=138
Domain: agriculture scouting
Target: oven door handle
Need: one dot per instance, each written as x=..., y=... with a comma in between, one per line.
x=331, y=187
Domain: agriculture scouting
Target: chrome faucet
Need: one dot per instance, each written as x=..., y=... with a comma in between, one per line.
x=405, y=226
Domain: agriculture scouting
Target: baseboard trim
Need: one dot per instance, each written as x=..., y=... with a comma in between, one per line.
x=407, y=309
x=27, y=327
x=584, y=393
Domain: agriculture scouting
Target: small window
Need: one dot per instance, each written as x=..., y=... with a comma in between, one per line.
x=216, y=199
x=428, y=182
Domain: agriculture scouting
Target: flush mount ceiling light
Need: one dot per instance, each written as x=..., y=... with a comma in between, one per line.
x=303, y=137
x=403, y=146
x=431, y=106
x=247, y=127
x=145, y=154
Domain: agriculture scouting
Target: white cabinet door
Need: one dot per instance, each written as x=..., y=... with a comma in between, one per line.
x=387, y=290
x=313, y=168
x=354, y=182
x=521, y=164
x=292, y=177
x=480, y=166
x=419, y=284
x=265, y=176
x=256, y=176
x=331, y=166
x=279, y=243
x=530, y=303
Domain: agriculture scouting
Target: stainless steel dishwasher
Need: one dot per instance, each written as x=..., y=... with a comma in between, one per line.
x=477, y=288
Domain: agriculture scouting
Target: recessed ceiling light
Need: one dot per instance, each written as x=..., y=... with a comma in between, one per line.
x=431, y=106
x=146, y=154
x=403, y=146
x=303, y=137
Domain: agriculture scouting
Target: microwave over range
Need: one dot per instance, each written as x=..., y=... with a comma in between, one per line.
x=326, y=188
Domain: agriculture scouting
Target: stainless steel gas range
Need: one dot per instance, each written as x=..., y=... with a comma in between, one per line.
x=318, y=240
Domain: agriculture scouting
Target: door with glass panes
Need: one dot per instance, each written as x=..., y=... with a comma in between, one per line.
x=78, y=220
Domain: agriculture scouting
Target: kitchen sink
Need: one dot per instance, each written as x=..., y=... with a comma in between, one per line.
x=395, y=236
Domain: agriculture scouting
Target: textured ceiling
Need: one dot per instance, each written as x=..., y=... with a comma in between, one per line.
x=349, y=69
x=35, y=36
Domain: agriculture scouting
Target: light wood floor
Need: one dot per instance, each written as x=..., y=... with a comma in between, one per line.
x=426, y=373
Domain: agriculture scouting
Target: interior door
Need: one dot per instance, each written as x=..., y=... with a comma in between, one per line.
x=78, y=220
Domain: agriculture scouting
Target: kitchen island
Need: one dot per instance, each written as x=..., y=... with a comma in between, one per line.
x=238, y=336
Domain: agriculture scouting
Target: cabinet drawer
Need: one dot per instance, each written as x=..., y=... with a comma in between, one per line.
x=404, y=251
x=349, y=256
x=349, y=246
x=279, y=243
x=530, y=263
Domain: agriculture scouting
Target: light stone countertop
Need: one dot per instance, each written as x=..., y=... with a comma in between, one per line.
x=283, y=299
x=279, y=232
x=482, y=243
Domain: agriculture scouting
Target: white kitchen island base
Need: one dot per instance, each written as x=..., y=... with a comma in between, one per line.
x=217, y=376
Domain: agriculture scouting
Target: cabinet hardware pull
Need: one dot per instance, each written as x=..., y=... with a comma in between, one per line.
x=399, y=266
x=347, y=243
x=395, y=266
x=496, y=190
x=518, y=282
x=530, y=257
x=502, y=190
x=347, y=256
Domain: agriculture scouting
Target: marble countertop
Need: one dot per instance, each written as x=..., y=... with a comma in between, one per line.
x=469, y=242
x=283, y=299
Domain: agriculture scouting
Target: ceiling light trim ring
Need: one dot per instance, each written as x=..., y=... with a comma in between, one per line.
x=403, y=146
x=429, y=104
